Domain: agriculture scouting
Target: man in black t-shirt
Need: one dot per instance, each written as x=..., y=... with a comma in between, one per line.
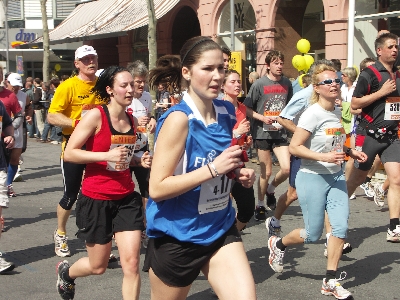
x=377, y=94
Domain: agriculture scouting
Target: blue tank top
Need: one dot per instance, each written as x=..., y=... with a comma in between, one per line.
x=205, y=213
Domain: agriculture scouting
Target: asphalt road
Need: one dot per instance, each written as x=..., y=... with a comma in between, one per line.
x=372, y=267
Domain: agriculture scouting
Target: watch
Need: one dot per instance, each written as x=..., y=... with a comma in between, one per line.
x=348, y=151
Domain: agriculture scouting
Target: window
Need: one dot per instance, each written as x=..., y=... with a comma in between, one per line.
x=65, y=7
x=32, y=9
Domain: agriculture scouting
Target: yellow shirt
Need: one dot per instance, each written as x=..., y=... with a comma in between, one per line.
x=73, y=98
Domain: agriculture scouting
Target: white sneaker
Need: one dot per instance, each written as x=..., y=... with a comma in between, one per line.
x=61, y=246
x=379, y=196
x=55, y=142
x=353, y=196
x=368, y=189
x=333, y=288
x=18, y=177
x=275, y=255
x=5, y=266
x=393, y=236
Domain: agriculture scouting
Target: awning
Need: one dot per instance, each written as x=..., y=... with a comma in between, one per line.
x=105, y=18
x=31, y=55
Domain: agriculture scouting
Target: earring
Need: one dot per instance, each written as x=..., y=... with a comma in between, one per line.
x=112, y=95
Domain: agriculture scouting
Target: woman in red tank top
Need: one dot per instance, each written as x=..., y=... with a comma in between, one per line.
x=108, y=204
x=244, y=197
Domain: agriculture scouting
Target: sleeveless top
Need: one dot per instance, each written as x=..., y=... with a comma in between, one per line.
x=107, y=180
x=205, y=213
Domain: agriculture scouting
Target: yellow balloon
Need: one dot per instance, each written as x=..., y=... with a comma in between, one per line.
x=57, y=67
x=355, y=67
x=298, y=62
x=309, y=60
x=301, y=80
x=303, y=46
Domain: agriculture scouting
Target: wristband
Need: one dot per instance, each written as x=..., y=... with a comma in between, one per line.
x=212, y=175
x=215, y=170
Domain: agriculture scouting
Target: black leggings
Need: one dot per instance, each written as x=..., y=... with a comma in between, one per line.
x=245, y=202
x=72, y=177
x=142, y=178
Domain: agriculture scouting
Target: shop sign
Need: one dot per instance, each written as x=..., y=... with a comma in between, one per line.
x=235, y=63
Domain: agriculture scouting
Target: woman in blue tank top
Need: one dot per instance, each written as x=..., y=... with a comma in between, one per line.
x=190, y=218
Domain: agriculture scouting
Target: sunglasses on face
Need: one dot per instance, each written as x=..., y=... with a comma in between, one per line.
x=329, y=81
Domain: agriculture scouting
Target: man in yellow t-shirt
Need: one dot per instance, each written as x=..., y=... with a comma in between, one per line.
x=72, y=99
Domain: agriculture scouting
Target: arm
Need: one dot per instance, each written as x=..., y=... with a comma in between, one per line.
x=287, y=124
x=255, y=115
x=28, y=110
x=59, y=119
x=9, y=139
x=163, y=184
x=152, y=123
x=85, y=129
x=298, y=149
x=360, y=102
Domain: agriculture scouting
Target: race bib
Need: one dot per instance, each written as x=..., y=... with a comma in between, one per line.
x=275, y=126
x=214, y=194
x=141, y=137
x=86, y=108
x=330, y=134
x=392, y=108
x=128, y=141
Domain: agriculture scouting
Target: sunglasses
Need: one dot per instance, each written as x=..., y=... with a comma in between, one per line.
x=329, y=81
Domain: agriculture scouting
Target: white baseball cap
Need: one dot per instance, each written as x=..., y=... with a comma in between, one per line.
x=84, y=50
x=14, y=79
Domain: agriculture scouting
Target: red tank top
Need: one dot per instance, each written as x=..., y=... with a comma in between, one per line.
x=240, y=114
x=105, y=180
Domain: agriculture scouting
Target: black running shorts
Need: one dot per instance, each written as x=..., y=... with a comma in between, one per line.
x=179, y=263
x=98, y=220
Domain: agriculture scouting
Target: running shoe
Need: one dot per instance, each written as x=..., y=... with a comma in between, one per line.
x=334, y=288
x=18, y=178
x=271, y=201
x=275, y=255
x=260, y=213
x=65, y=289
x=347, y=248
x=61, y=246
x=271, y=229
x=393, y=236
x=368, y=189
x=5, y=266
x=353, y=196
x=10, y=191
x=379, y=196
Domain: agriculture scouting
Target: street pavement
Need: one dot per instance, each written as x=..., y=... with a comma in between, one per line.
x=372, y=267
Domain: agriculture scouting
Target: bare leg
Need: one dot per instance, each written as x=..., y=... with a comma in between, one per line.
x=62, y=218
x=162, y=291
x=284, y=201
x=283, y=155
x=265, y=172
x=94, y=264
x=393, y=175
x=229, y=273
x=129, y=251
x=335, y=248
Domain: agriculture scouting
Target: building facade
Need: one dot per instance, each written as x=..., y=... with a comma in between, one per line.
x=262, y=25
x=24, y=22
